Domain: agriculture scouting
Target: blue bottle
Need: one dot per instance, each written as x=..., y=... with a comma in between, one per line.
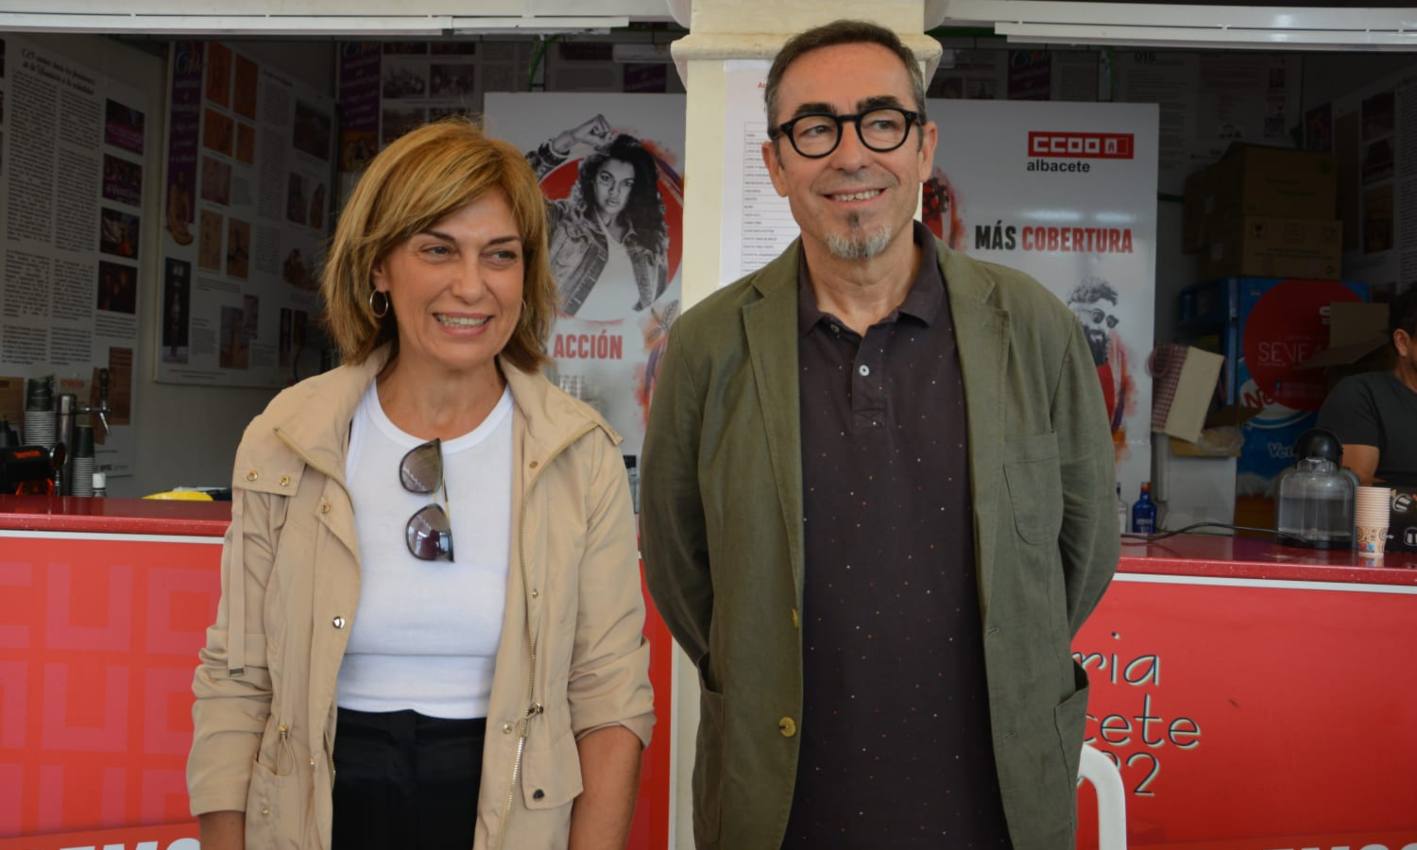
x=1144, y=512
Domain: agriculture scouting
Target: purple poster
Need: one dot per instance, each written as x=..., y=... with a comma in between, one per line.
x=359, y=104
x=182, y=138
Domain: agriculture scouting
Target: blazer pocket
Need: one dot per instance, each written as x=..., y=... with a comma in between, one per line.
x=1069, y=717
x=1035, y=486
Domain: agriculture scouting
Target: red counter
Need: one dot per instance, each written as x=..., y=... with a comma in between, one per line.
x=104, y=604
x=1257, y=697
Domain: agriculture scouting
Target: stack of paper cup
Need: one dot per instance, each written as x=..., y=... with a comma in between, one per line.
x=1370, y=519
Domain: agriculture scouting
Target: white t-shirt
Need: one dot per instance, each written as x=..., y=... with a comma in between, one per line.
x=425, y=634
x=615, y=291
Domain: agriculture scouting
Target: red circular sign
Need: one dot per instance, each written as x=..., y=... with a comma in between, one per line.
x=1288, y=325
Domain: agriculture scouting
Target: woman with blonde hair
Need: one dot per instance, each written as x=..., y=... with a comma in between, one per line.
x=429, y=632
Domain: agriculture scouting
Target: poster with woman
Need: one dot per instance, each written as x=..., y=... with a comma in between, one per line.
x=610, y=168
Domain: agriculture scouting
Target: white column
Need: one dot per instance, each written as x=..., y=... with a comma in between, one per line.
x=720, y=31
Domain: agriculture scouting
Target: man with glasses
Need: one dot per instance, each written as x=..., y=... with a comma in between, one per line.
x=1094, y=302
x=877, y=502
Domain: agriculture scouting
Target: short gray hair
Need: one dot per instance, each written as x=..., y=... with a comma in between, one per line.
x=831, y=35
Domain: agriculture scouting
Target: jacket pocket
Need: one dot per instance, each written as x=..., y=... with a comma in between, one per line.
x=1069, y=717
x=708, y=768
x=1035, y=486
x=264, y=808
x=551, y=777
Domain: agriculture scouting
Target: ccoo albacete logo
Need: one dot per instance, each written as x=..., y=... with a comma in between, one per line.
x=1046, y=149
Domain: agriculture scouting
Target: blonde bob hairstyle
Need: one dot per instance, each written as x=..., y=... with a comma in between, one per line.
x=422, y=177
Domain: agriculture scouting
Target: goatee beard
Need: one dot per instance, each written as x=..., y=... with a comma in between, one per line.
x=858, y=245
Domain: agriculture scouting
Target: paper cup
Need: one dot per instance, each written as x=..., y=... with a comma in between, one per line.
x=1370, y=540
x=1374, y=497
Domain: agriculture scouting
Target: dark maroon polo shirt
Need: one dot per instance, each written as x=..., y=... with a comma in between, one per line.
x=895, y=744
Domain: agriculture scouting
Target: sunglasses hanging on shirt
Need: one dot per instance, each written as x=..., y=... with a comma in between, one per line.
x=429, y=532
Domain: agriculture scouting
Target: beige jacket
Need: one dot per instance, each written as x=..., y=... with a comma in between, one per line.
x=572, y=657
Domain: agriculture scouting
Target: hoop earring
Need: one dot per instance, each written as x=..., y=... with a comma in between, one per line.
x=379, y=313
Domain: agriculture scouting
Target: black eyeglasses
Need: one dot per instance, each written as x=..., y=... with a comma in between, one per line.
x=429, y=532
x=816, y=135
x=1097, y=315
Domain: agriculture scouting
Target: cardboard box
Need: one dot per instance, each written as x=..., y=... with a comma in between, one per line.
x=1184, y=382
x=1265, y=246
x=1253, y=180
x=1259, y=180
x=1357, y=342
x=1199, y=190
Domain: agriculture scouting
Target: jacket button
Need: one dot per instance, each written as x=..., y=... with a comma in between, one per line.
x=324, y=507
x=538, y=794
x=796, y=622
x=266, y=810
x=337, y=622
x=787, y=726
x=535, y=593
x=507, y=728
x=285, y=481
x=534, y=464
x=252, y=475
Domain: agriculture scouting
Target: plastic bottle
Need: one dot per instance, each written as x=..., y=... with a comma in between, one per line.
x=1144, y=512
x=1123, y=512
x=632, y=470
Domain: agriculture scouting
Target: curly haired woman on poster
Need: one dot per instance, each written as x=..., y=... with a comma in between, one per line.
x=611, y=227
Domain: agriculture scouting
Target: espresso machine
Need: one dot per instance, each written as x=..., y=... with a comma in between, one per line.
x=57, y=431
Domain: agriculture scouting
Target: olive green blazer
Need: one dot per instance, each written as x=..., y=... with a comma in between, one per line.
x=721, y=527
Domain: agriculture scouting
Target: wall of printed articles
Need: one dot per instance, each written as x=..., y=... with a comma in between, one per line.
x=72, y=144
x=246, y=213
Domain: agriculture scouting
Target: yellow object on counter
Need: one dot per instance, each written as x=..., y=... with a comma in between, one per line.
x=181, y=496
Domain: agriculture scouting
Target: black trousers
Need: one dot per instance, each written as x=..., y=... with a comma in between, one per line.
x=406, y=780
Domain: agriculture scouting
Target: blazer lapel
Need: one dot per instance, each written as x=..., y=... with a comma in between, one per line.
x=982, y=332
x=771, y=328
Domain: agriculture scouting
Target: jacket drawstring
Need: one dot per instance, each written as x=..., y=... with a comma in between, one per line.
x=236, y=591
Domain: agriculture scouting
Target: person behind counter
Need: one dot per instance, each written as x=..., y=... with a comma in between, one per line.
x=428, y=544
x=1375, y=414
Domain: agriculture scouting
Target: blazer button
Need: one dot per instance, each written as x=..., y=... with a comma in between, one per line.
x=337, y=622
x=787, y=726
x=252, y=475
x=507, y=728
x=266, y=810
x=285, y=481
x=535, y=593
x=534, y=464
x=538, y=794
x=324, y=507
